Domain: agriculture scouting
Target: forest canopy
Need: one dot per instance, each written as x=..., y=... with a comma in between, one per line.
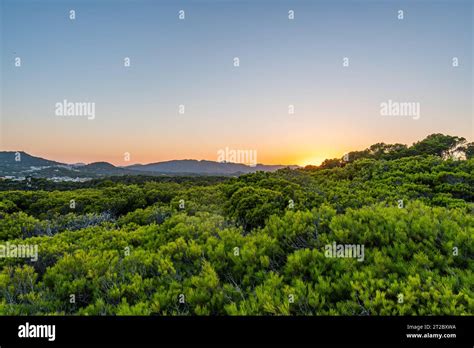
x=253, y=244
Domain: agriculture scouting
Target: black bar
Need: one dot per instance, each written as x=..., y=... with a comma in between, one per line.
x=242, y=330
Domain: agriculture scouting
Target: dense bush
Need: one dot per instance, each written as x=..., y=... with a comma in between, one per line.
x=253, y=245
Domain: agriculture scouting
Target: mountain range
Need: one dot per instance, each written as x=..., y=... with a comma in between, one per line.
x=19, y=165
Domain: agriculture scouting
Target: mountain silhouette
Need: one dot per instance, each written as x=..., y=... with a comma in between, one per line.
x=19, y=164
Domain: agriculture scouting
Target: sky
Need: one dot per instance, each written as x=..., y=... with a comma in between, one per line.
x=190, y=62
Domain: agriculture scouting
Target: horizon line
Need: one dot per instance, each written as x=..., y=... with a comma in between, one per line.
x=148, y=163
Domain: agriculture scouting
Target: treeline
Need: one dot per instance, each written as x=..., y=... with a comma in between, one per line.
x=33, y=184
x=444, y=146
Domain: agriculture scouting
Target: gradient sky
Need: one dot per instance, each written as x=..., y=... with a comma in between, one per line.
x=190, y=62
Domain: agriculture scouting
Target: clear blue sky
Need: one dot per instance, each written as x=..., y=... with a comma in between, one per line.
x=190, y=62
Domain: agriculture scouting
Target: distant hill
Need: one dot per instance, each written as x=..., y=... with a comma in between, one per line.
x=22, y=159
x=203, y=167
x=18, y=165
